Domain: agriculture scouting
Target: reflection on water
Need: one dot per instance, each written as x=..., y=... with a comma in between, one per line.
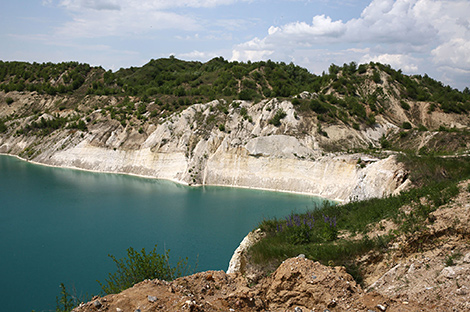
x=59, y=225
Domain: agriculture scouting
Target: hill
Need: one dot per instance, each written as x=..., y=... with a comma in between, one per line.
x=259, y=125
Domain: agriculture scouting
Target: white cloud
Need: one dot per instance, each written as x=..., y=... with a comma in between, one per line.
x=321, y=27
x=101, y=18
x=198, y=55
x=414, y=35
x=454, y=53
x=144, y=4
x=405, y=62
x=91, y=4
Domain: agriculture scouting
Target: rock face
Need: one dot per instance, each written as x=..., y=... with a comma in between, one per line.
x=250, y=152
x=298, y=284
x=238, y=261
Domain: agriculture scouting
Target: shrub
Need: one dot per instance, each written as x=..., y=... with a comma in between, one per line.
x=318, y=107
x=384, y=143
x=65, y=302
x=404, y=105
x=422, y=128
x=276, y=120
x=9, y=100
x=3, y=127
x=406, y=125
x=138, y=266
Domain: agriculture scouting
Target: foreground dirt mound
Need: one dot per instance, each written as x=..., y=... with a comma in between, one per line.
x=297, y=285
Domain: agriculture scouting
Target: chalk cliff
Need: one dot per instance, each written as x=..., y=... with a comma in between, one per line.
x=240, y=147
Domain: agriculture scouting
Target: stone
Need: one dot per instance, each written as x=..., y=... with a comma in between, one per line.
x=448, y=272
x=301, y=256
x=466, y=258
x=151, y=298
x=298, y=309
x=381, y=307
x=97, y=304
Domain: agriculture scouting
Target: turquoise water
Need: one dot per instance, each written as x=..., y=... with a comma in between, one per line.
x=59, y=225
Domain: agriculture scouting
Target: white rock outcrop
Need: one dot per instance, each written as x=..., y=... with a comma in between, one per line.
x=190, y=148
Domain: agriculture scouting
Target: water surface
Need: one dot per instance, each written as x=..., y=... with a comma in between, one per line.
x=59, y=225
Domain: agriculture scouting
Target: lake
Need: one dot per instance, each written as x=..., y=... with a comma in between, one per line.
x=59, y=225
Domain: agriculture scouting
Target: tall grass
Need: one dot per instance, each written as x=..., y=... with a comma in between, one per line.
x=315, y=233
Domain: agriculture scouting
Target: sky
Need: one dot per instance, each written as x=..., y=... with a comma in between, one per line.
x=417, y=36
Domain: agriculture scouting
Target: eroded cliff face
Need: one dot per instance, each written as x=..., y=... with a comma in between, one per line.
x=236, y=146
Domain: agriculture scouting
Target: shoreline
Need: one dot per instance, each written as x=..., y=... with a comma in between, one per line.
x=338, y=201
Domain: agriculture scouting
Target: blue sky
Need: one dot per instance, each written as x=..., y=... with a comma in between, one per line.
x=417, y=36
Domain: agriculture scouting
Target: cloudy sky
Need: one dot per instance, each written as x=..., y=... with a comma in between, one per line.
x=417, y=36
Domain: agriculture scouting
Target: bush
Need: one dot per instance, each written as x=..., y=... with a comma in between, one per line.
x=318, y=107
x=384, y=143
x=406, y=125
x=65, y=302
x=404, y=105
x=276, y=120
x=9, y=100
x=137, y=267
x=3, y=127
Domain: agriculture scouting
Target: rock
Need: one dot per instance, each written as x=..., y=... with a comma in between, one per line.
x=466, y=258
x=381, y=307
x=97, y=304
x=118, y=310
x=151, y=298
x=301, y=256
x=298, y=309
x=448, y=272
x=238, y=261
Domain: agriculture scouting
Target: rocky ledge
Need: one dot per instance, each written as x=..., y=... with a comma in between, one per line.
x=297, y=285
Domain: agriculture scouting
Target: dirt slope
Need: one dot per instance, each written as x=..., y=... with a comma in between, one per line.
x=298, y=284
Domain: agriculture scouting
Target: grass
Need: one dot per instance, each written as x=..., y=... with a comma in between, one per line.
x=312, y=235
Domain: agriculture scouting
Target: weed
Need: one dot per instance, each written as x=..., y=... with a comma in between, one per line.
x=139, y=266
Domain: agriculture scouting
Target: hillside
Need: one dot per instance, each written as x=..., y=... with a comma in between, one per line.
x=258, y=125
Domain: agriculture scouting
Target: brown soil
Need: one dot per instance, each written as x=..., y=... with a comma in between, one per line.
x=298, y=284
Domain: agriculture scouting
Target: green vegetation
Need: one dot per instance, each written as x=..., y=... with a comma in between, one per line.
x=45, y=126
x=164, y=86
x=276, y=120
x=46, y=78
x=134, y=268
x=316, y=233
x=3, y=127
x=66, y=302
x=138, y=266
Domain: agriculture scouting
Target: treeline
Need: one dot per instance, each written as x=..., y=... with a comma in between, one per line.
x=45, y=78
x=215, y=79
x=174, y=83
